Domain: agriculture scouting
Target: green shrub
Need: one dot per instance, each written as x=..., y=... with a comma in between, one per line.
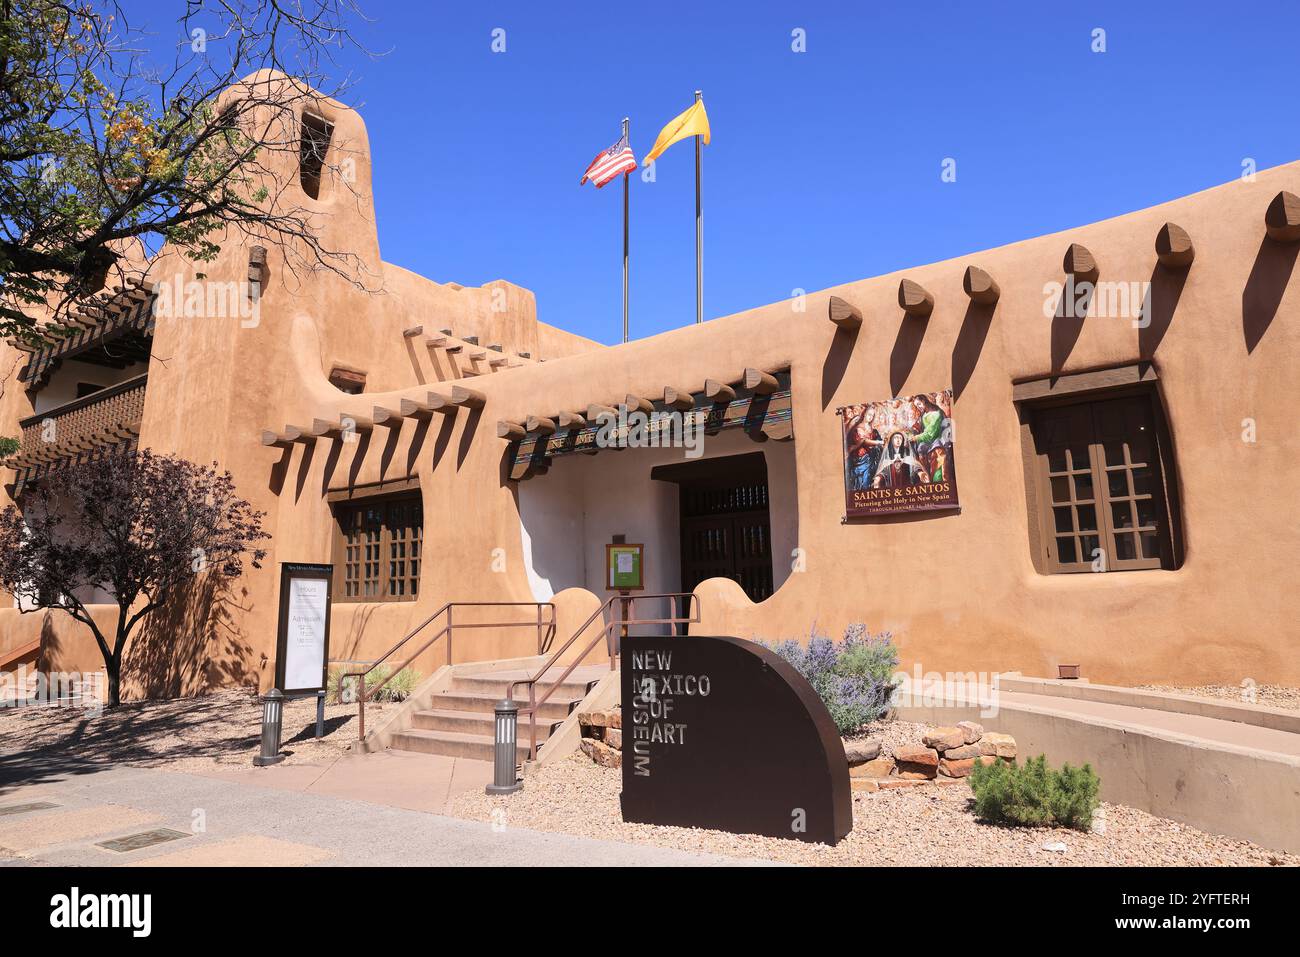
x=8, y=446
x=399, y=689
x=1077, y=796
x=853, y=677
x=1034, y=795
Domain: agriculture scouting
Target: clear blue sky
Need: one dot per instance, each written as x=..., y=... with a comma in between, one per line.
x=825, y=165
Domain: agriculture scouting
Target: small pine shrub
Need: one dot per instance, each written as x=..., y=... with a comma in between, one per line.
x=853, y=677
x=1077, y=796
x=1034, y=795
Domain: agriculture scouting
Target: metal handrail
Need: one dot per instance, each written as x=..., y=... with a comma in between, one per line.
x=545, y=632
x=627, y=602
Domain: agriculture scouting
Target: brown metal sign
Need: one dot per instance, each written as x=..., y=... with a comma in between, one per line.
x=721, y=733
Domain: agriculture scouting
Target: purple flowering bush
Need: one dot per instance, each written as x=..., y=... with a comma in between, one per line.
x=854, y=677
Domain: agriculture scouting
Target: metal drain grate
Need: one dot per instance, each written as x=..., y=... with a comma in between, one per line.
x=134, y=842
x=24, y=808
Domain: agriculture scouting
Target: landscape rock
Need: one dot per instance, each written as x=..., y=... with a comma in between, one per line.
x=614, y=717
x=960, y=768
x=962, y=753
x=877, y=768
x=862, y=751
x=614, y=738
x=1002, y=745
x=941, y=739
x=601, y=753
x=926, y=757
x=972, y=730
x=1056, y=847
x=591, y=719
x=864, y=784
x=889, y=784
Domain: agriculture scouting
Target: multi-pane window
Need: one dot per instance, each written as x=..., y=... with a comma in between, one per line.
x=1101, y=486
x=379, y=549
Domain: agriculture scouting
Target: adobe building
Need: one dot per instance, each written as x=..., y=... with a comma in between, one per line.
x=1124, y=499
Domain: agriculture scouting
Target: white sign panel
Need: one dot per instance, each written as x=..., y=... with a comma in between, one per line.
x=304, y=645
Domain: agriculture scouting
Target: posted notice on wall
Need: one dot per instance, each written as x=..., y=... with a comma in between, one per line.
x=304, y=646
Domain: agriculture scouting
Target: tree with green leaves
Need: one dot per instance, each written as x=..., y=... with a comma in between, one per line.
x=112, y=136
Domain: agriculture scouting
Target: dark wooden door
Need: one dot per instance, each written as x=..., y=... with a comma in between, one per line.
x=726, y=533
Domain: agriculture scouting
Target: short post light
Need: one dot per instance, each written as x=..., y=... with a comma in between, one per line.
x=506, y=738
x=272, y=723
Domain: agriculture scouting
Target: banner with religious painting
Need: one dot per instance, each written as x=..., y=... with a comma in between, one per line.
x=898, y=455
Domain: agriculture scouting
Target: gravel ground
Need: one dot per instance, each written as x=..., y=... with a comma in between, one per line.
x=927, y=826
x=1268, y=696
x=181, y=734
x=892, y=735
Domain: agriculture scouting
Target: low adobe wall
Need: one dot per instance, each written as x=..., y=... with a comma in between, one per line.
x=1221, y=789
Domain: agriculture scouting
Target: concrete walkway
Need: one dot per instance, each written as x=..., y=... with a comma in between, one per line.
x=295, y=816
x=416, y=782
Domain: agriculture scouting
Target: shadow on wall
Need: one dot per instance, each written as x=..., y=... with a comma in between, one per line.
x=51, y=647
x=970, y=343
x=837, y=361
x=1163, y=293
x=347, y=647
x=1067, y=324
x=192, y=645
x=907, y=346
x=1267, y=284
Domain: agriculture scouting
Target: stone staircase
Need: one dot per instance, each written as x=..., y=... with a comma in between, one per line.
x=459, y=722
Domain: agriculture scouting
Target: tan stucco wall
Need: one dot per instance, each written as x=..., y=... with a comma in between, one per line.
x=958, y=590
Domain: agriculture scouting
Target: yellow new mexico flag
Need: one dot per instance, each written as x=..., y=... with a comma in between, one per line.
x=693, y=122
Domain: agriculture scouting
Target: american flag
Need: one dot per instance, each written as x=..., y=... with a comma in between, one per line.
x=609, y=163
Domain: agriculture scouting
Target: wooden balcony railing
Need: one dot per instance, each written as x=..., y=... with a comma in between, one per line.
x=105, y=418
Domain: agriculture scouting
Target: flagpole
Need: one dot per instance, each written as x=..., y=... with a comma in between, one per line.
x=626, y=125
x=699, y=230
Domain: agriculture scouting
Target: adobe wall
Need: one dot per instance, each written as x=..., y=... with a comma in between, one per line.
x=958, y=590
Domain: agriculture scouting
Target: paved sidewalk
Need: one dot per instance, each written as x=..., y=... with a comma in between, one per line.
x=416, y=782
x=290, y=820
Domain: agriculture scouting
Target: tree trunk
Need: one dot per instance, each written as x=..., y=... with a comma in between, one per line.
x=113, y=665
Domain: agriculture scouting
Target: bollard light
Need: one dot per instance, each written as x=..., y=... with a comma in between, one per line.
x=272, y=721
x=507, y=734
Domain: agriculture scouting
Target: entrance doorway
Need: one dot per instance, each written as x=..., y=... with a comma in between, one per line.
x=724, y=522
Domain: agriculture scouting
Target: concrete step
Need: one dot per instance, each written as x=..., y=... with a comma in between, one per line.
x=478, y=723
x=454, y=744
x=552, y=710
x=574, y=688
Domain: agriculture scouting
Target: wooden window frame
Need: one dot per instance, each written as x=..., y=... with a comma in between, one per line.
x=1086, y=392
x=398, y=545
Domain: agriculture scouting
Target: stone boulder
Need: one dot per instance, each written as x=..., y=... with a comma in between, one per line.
x=972, y=730
x=1001, y=745
x=862, y=751
x=917, y=763
x=964, y=752
x=962, y=767
x=875, y=768
x=941, y=739
x=601, y=753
